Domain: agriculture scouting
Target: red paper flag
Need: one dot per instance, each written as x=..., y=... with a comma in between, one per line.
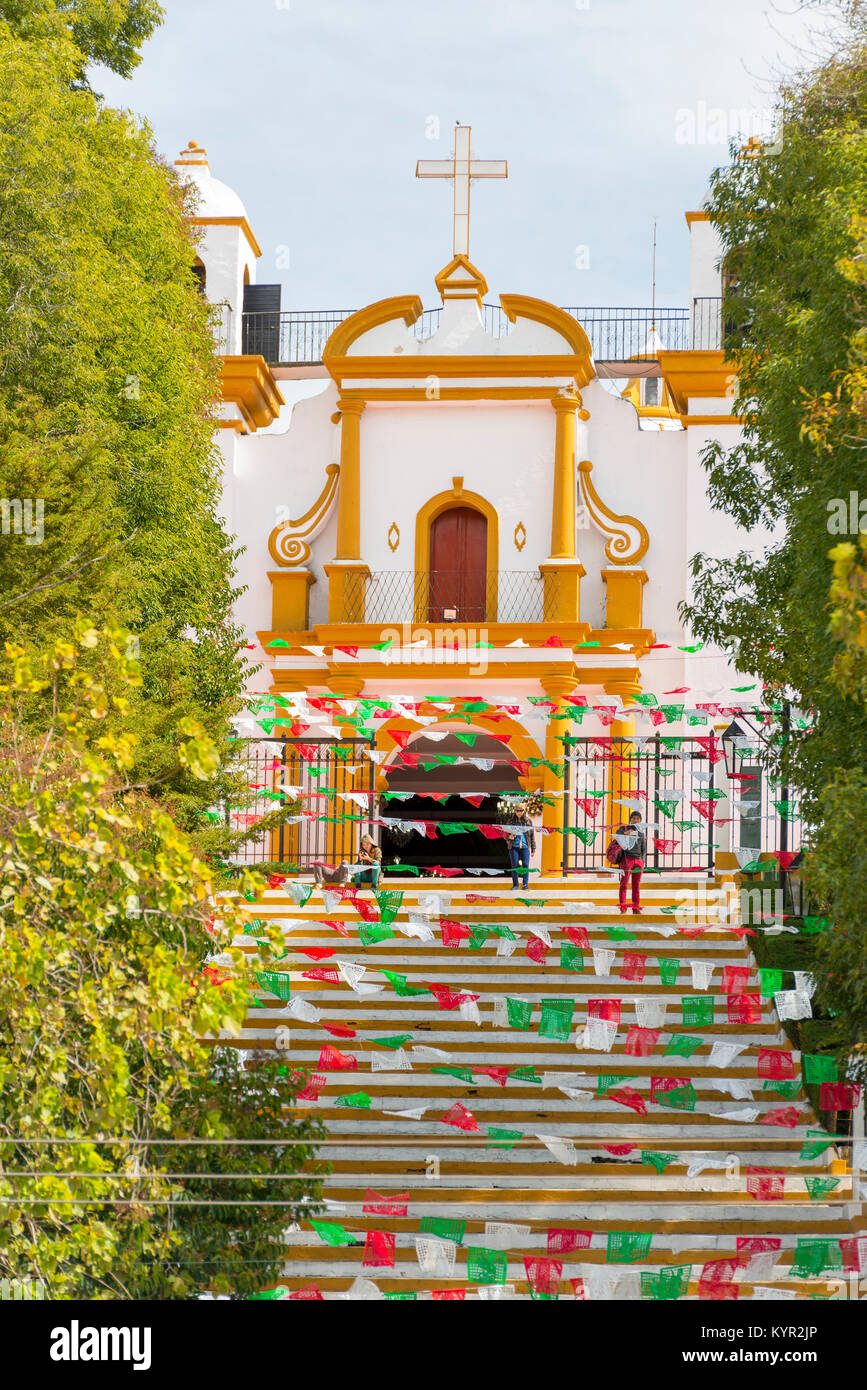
x=744, y=1008
x=577, y=935
x=320, y=973
x=776, y=1062
x=786, y=1117
x=543, y=1275
x=460, y=1117
x=640, y=1042
x=562, y=1240
x=835, y=1095
x=536, y=949
x=332, y=1060
x=626, y=1095
x=604, y=1008
x=633, y=967
x=766, y=1184
x=735, y=979
x=379, y=1249
x=310, y=1293
x=448, y=1295
x=375, y=1204
x=453, y=933
x=619, y=1150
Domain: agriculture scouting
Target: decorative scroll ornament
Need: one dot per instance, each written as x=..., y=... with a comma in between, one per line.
x=393, y=537
x=520, y=536
x=628, y=539
x=288, y=542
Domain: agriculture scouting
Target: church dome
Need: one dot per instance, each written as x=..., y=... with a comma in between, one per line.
x=216, y=199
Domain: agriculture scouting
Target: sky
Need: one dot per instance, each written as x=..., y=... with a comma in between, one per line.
x=610, y=113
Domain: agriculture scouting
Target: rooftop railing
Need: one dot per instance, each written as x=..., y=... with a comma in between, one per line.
x=296, y=337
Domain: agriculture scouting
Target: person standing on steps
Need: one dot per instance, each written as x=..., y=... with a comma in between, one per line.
x=522, y=843
x=632, y=861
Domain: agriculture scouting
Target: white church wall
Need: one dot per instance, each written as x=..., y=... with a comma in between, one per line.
x=704, y=257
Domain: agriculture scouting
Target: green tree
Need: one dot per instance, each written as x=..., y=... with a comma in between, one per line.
x=108, y=921
x=108, y=389
x=103, y=31
x=790, y=217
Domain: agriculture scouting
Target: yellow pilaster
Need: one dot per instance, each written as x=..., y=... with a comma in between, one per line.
x=553, y=816
x=290, y=599
x=624, y=590
x=347, y=573
x=563, y=571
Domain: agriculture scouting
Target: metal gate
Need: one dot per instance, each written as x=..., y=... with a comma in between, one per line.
x=323, y=769
x=658, y=766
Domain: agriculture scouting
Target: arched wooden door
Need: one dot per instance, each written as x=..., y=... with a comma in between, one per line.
x=458, y=566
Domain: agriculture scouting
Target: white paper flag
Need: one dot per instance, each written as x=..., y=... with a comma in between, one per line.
x=299, y=1008
x=562, y=1149
x=702, y=972
x=435, y=1256
x=722, y=1054
x=602, y=960
x=793, y=1003
x=598, y=1035
x=650, y=1013
x=398, y=1060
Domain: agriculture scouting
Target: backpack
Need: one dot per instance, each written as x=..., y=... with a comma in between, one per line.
x=614, y=853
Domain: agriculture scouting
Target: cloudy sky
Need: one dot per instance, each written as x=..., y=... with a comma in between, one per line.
x=610, y=113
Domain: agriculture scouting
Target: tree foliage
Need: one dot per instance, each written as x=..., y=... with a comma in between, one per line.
x=791, y=221
x=107, y=1000
x=110, y=32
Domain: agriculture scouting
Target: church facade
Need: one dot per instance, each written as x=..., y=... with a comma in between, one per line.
x=486, y=505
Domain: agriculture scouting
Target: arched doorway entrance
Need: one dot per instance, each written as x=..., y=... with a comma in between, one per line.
x=457, y=566
x=438, y=794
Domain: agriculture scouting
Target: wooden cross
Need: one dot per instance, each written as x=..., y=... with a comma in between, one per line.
x=460, y=169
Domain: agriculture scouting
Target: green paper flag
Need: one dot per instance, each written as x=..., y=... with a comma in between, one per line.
x=668, y=969
x=697, y=1010
x=462, y=1073
x=816, y=1143
x=628, y=1247
x=525, y=1074
x=486, y=1266
x=394, y=1042
x=443, y=1227
x=276, y=982
x=503, y=1138
x=658, y=1161
x=556, y=1019
x=771, y=982
x=670, y=1283
x=818, y=1068
x=358, y=1100
x=371, y=932
x=605, y=1082
x=788, y=1089
x=571, y=956
x=520, y=1012
x=278, y=642
x=682, y=1045
x=332, y=1234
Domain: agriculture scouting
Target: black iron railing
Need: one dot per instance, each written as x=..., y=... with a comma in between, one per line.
x=297, y=337
x=453, y=596
x=319, y=770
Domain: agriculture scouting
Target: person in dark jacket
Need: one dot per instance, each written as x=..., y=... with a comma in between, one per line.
x=522, y=843
x=632, y=861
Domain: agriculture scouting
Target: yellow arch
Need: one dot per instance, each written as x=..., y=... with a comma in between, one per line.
x=457, y=496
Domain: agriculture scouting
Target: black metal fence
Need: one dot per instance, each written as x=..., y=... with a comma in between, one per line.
x=320, y=771
x=459, y=596
x=296, y=337
x=663, y=779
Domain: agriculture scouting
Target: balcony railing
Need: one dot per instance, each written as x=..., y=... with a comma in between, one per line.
x=453, y=596
x=297, y=337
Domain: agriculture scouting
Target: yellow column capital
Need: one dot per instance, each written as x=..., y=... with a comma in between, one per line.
x=351, y=405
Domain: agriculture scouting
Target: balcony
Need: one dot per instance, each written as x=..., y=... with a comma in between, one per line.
x=619, y=336
x=460, y=597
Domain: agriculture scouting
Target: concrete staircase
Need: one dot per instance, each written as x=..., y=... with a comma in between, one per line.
x=456, y=1176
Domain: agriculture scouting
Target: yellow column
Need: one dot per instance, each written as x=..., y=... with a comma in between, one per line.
x=622, y=778
x=562, y=570
x=553, y=816
x=565, y=489
x=345, y=591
